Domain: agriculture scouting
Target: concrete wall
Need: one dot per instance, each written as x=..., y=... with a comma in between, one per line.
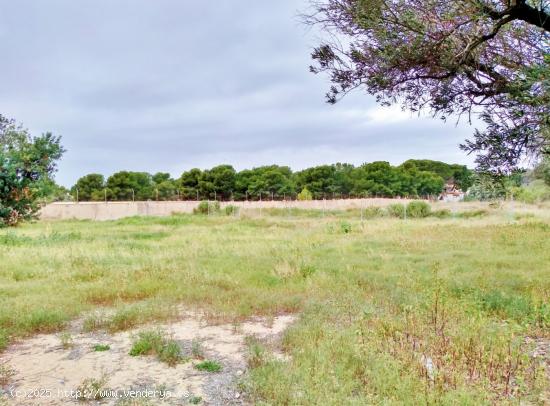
x=117, y=210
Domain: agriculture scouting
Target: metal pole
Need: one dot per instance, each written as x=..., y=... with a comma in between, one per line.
x=105, y=192
x=133, y=195
x=197, y=195
x=77, y=195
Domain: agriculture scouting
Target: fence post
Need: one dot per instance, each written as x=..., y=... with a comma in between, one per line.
x=105, y=193
x=77, y=195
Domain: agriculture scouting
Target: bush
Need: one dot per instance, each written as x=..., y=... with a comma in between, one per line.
x=153, y=342
x=207, y=207
x=305, y=194
x=231, y=210
x=345, y=227
x=418, y=209
x=209, y=366
x=396, y=210
x=442, y=214
x=373, y=212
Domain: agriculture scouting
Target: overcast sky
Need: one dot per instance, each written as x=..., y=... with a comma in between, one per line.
x=168, y=85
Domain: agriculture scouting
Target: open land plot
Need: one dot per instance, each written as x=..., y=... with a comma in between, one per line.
x=385, y=311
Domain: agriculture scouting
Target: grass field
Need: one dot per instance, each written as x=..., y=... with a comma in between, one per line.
x=432, y=311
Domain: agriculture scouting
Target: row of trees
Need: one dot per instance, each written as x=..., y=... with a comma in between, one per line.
x=413, y=178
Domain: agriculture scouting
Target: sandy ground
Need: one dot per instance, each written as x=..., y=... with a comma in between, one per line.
x=46, y=373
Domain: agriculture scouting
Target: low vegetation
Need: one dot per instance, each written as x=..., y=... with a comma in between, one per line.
x=208, y=366
x=154, y=342
x=444, y=309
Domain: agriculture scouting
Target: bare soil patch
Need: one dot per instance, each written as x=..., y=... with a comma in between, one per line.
x=50, y=369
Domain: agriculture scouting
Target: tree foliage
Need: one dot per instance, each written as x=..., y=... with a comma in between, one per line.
x=484, y=57
x=27, y=165
x=413, y=178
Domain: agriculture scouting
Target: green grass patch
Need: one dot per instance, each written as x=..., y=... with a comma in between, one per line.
x=209, y=366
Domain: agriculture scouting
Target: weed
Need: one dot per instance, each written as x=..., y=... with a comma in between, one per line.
x=4, y=339
x=92, y=388
x=345, y=227
x=418, y=209
x=256, y=353
x=6, y=373
x=443, y=213
x=207, y=208
x=231, y=210
x=101, y=347
x=195, y=400
x=209, y=366
x=66, y=340
x=154, y=342
x=307, y=270
x=197, y=350
x=396, y=210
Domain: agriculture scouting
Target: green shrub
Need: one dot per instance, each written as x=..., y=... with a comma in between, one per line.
x=153, y=342
x=345, y=227
x=373, y=212
x=418, y=209
x=101, y=347
x=396, y=210
x=209, y=366
x=442, y=214
x=305, y=194
x=472, y=214
x=207, y=207
x=231, y=210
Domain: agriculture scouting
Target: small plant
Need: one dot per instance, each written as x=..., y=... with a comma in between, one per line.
x=307, y=270
x=396, y=210
x=208, y=366
x=345, y=227
x=231, y=210
x=442, y=214
x=256, y=353
x=418, y=209
x=373, y=212
x=101, y=347
x=170, y=353
x=207, y=207
x=4, y=340
x=196, y=349
x=92, y=389
x=66, y=340
x=6, y=373
x=195, y=400
x=153, y=342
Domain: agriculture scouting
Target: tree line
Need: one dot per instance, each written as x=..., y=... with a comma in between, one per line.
x=413, y=178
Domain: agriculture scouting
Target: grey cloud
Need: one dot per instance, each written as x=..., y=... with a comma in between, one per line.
x=170, y=84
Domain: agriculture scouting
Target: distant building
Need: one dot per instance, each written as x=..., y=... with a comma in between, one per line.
x=451, y=192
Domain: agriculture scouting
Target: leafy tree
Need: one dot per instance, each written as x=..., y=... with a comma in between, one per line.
x=90, y=187
x=319, y=180
x=165, y=186
x=218, y=182
x=273, y=179
x=189, y=183
x=460, y=174
x=484, y=57
x=26, y=165
x=126, y=185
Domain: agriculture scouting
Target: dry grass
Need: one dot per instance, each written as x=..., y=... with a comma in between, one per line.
x=418, y=311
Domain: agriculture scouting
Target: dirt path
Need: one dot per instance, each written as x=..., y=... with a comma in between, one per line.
x=48, y=373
